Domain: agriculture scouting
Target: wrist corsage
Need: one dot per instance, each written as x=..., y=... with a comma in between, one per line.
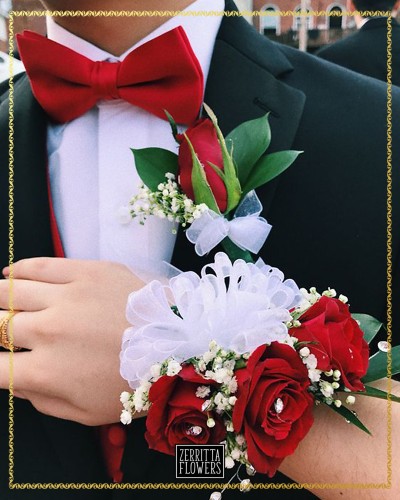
x=237, y=355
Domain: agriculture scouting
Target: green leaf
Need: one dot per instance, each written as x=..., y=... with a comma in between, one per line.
x=173, y=125
x=232, y=184
x=248, y=142
x=349, y=415
x=153, y=163
x=375, y=393
x=240, y=363
x=377, y=368
x=268, y=167
x=218, y=171
x=201, y=188
x=368, y=324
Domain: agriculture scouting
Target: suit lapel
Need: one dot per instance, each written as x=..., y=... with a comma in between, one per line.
x=243, y=82
x=242, y=85
x=32, y=235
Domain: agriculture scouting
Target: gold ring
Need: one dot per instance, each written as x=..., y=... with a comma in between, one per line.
x=4, y=340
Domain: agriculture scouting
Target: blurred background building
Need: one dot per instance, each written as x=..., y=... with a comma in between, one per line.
x=20, y=23
x=321, y=30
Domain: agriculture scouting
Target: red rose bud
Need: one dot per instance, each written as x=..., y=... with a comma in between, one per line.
x=273, y=407
x=337, y=340
x=176, y=416
x=204, y=140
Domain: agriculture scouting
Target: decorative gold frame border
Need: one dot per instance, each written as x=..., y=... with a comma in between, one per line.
x=188, y=486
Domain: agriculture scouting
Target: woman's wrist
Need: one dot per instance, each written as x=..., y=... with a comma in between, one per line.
x=334, y=452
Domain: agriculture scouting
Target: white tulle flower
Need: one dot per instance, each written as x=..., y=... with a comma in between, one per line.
x=240, y=306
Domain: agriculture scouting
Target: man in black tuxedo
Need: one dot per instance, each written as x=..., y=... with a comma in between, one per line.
x=366, y=50
x=329, y=218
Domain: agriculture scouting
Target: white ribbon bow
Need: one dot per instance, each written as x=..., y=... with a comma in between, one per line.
x=247, y=230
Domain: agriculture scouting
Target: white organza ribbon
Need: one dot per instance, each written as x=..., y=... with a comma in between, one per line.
x=239, y=305
x=247, y=230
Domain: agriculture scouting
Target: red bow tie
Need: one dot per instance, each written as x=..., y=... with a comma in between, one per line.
x=164, y=73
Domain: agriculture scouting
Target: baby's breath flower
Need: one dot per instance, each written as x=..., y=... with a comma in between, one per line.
x=311, y=362
x=197, y=214
x=314, y=375
x=326, y=388
x=202, y=391
x=336, y=375
x=222, y=402
x=155, y=370
x=126, y=417
x=206, y=405
x=201, y=366
x=125, y=397
x=232, y=385
x=229, y=364
x=168, y=202
x=310, y=297
x=210, y=422
x=304, y=352
x=208, y=356
x=173, y=368
x=229, y=427
x=222, y=376
x=140, y=396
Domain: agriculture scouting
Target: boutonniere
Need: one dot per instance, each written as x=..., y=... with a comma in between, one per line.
x=208, y=188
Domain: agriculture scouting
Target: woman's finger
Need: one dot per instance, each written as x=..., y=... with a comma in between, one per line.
x=45, y=269
x=27, y=295
x=14, y=370
x=24, y=329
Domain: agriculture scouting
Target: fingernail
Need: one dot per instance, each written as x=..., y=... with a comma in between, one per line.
x=6, y=271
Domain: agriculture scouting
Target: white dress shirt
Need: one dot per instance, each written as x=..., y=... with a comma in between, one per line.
x=91, y=167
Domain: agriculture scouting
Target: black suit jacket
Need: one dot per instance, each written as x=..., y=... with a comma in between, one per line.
x=366, y=50
x=328, y=213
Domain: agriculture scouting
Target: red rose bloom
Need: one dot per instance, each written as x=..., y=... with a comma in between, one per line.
x=274, y=408
x=204, y=139
x=175, y=415
x=340, y=343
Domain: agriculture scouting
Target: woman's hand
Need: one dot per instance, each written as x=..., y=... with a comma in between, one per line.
x=71, y=318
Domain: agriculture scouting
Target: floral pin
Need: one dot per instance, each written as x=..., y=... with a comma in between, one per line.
x=209, y=185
